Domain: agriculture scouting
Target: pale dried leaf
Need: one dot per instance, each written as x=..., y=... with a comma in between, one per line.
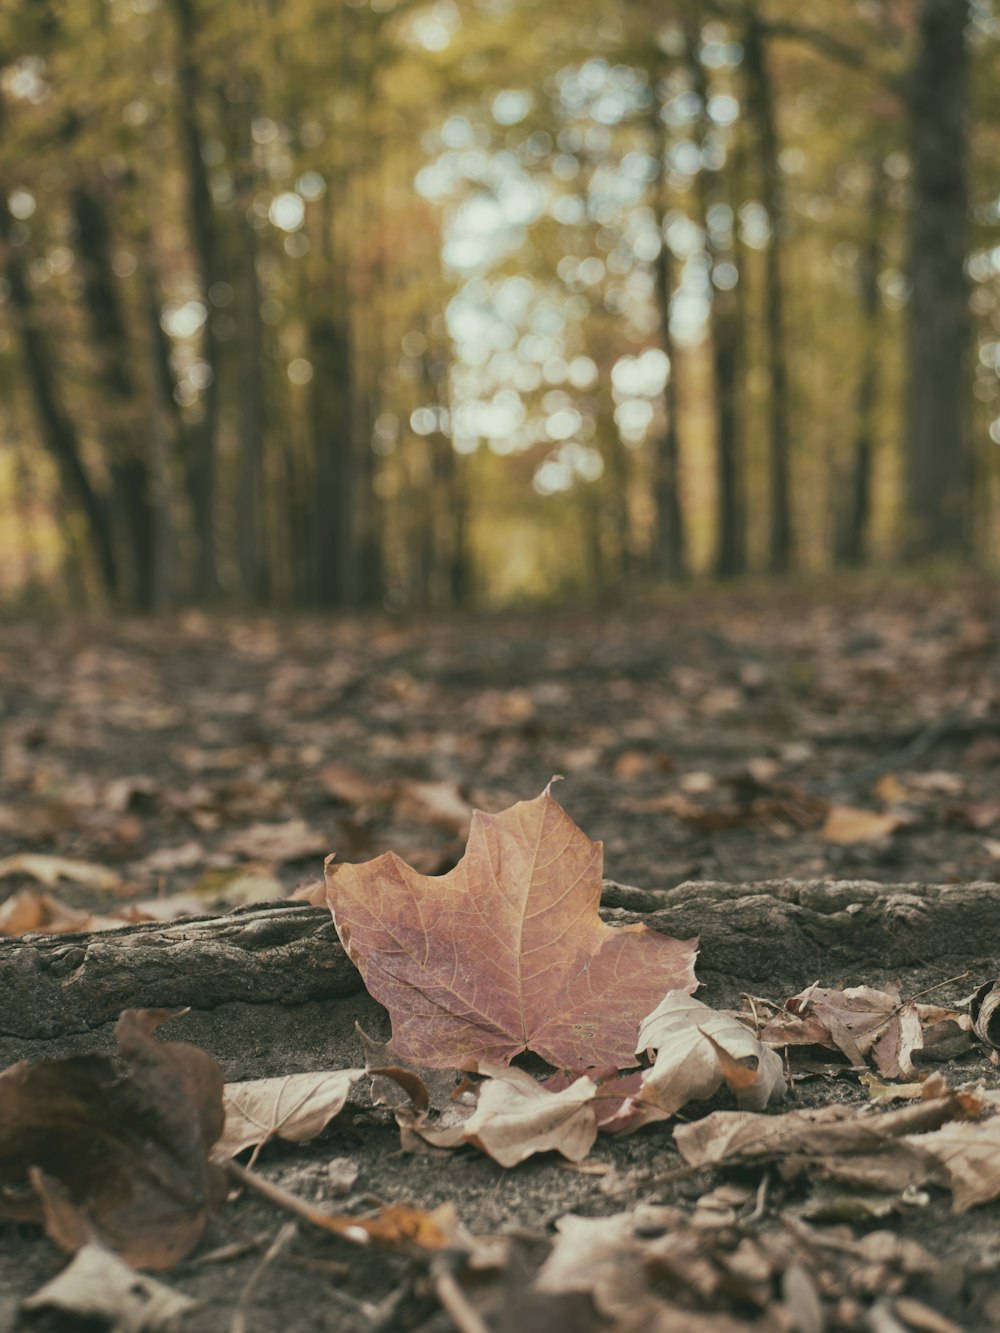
x=274, y=844
x=847, y=824
x=99, y=1286
x=296, y=1107
x=697, y=1050
x=49, y=870
x=516, y=1117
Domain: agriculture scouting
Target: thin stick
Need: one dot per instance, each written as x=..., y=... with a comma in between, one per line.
x=238, y=1322
x=455, y=1303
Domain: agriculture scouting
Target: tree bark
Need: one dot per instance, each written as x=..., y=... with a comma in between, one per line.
x=938, y=453
x=855, y=515
x=761, y=109
x=201, y=462
x=668, y=553
x=56, y=428
x=122, y=416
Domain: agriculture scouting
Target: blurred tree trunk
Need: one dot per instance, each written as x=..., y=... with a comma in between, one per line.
x=669, y=559
x=938, y=453
x=56, y=428
x=760, y=108
x=201, y=462
x=724, y=329
x=333, y=461
x=250, y=541
x=855, y=513
x=122, y=417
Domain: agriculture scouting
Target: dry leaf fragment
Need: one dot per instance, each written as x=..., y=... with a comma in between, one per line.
x=276, y=843
x=821, y=1132
x=516, y=1117
x=296, y=1107
x=506, y=952
x=49, y=870
x=968, y=1156
x=100, y=1287
x=698, y=1049
x=115, y=1150
x=847, y=824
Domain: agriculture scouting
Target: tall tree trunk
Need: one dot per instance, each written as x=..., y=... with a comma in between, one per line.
x=668, y=554
x=855, y=513
x=761, y=110
x=250, y=542
x=333, y=457
x=201, y=463
x=123, y=424
x=724, y=336
x=56, y=428
x=938, y=453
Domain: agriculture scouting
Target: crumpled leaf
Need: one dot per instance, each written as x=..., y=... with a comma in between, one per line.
x=100, y=1287
x=698, y=1049
x=968, y=1155
x=115, y=1150
x=859, y=1021
x=296, y=1107
x=49, y=870
x=985, y=1013
x=506, y=952
x=821, y=1131
x=632, y=1264
x=516, y=1117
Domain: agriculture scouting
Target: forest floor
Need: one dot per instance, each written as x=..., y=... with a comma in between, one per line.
x=845, y=732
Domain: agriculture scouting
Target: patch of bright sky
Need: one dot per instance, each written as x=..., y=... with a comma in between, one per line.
x=516, y=335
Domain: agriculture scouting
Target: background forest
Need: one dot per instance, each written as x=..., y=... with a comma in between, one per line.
x=406, y=304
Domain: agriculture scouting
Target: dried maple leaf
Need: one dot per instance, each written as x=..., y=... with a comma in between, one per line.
x=506, y=952
x=296, y=1107
x=698, y=1050
x=115, y=1151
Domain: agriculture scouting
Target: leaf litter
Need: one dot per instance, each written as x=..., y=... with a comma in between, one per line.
x=829, y=1275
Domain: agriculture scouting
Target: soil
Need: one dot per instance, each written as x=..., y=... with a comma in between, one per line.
x=703, y=735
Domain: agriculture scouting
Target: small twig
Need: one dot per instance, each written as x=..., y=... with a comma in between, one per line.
x=454, y=1301
x=938, y=984
x=760, y=1203
x=238, y=1322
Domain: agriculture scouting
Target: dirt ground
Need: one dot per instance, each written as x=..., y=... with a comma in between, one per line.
x=703, y=735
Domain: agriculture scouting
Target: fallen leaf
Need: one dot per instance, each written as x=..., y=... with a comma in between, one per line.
x=968, y=1156
x=984, y=1012
x=101, y=1288
x=516, y=1117
x=439, y=803
x=506, y=952
x=296, y=1107
x=350, y=786
x=698, y=1049
x=858, y=1021
x=237, y=886
x=846, y=824
x=276, y=843
x=125, y=1142
x=49, y=870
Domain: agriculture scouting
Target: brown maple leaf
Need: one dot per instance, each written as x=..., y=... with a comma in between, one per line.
x=506, y=952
